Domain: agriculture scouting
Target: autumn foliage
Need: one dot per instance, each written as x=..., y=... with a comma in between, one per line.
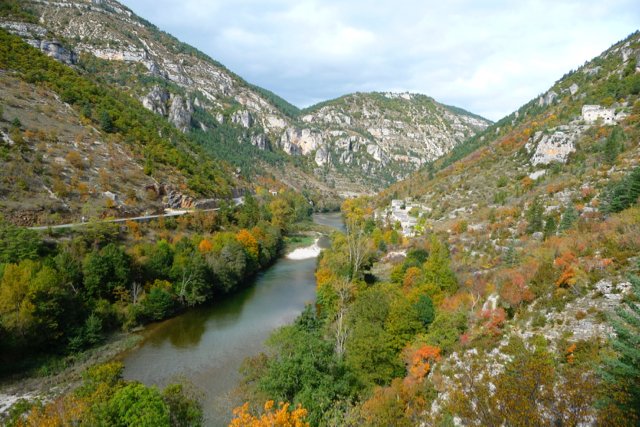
x=280, y=417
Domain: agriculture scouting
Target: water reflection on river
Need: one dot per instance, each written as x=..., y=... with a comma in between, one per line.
x=207, y=344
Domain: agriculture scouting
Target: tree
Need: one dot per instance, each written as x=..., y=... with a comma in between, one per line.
x=138, y=406
x=86, y=110
x=426, y=311
x=16, y=297
x=357, y=243
x=550, y=227
x=280, y=417
x=105, y=122
x=611, y=148
x=16, y=123
x=511, y=256
x=17, y=243
x=569, y=218
x=105, y=270
x=534, y=216
x=437, y=269
x=625, y=369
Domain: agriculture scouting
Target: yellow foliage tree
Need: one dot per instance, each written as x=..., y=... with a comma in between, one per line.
x=249, y=242
x=280, y=417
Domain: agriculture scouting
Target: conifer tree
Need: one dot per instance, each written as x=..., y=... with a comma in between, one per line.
x=86, y=110
x=550, y=227
x=534, y=216
x=611, y=148
x=105, y=121
x=511, y=256
x=569, y=218
x=625, y=370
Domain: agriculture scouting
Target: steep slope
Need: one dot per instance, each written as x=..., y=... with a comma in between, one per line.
x=234, y=121
x=386, y=135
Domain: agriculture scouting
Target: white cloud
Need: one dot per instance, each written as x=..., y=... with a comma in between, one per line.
x=489, y=57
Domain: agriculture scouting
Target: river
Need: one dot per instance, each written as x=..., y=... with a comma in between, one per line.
x=207, y=344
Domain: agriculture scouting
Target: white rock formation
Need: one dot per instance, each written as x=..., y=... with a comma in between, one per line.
x=260, y=141
x=305, y=139
x=547, y=98
x=242, y=117
x=551, y=148
x=180, y=113
x=54, y=50
x=323, y=156
x=156, y=100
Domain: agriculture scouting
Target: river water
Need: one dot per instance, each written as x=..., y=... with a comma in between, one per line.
x=207, y=344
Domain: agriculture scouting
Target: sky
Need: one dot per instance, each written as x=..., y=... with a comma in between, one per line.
x=488, y=57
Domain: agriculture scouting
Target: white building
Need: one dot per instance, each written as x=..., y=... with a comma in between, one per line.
x=591, y=113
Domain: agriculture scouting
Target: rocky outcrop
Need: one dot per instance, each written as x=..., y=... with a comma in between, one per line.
x=260, y=141
x=156, y=100
x=305, y=139
x=54, y=50
x=573, y=89
x=177, y=200
x=120, y=55
x=243, y=118
x=551, y=148
x=323, y=157
x=180, y=113
x=547, y=98
x=375, y=151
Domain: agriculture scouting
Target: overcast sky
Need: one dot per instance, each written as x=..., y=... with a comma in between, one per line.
x=489, y=57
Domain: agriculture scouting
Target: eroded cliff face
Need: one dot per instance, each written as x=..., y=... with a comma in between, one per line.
x=372, y=140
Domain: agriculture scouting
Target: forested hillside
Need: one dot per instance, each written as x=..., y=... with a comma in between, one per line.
x=518, y=276
x=356, y=149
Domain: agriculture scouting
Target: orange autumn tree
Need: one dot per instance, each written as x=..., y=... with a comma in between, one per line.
x=402, y=403
x=249, y=242
x=280, y=417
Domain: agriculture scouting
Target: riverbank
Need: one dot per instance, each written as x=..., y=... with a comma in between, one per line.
x=60, y=376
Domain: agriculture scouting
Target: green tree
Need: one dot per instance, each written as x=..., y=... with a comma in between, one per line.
x=550, y=227
x=426, y=311
x=625, y=369
x=534, y=216
x=611, y=148
x=17, y=243
x=158, y=304
x=437, y=270
x=105, y=270
x=511, y=256
x=138, y=406
x=16, y=123
x=183, y=401
x=86, y=110
x=569, y=218
x=105, y=122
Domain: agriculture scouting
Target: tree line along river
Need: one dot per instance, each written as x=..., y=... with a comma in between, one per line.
x=208, y=343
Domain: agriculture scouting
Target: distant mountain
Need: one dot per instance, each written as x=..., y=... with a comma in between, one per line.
x=358, y=143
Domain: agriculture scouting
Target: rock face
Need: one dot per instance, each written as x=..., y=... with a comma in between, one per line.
x=306, y=140
x=177, y=200
x=551, y=148
x=242, y=117
x=323, y=156
x=573, y=89
x=547, y=98
x=54, y=50
x=180, y=113
x=156, y=100
x=260, y=141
